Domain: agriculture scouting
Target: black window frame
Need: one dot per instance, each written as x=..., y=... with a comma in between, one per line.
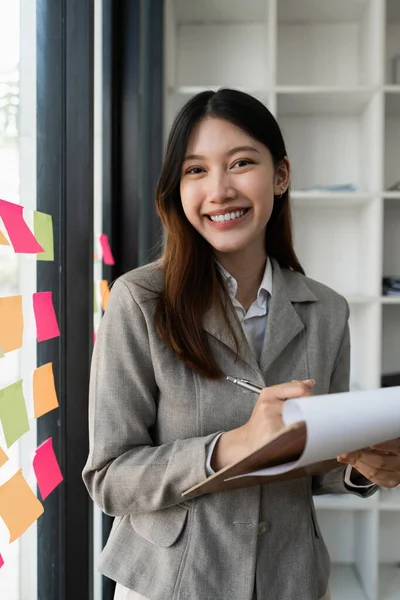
x=65, y=30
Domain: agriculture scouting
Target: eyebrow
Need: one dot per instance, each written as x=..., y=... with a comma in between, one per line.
x=229, y=153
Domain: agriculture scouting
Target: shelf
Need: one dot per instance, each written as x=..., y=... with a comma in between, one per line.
x=317, y=11
x=344, y=502
x=345, y=584
x=389, y=582
x=391, y=195
x=321, y=199
x=390, y=299
x=361, y=299
x=323, y=101
x=390, y=505
x=228, y=11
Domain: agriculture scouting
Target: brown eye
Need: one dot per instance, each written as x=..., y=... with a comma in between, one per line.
x=194, y=171
x=243, y=162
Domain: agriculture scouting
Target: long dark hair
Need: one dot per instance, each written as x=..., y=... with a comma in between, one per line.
x=192, y=283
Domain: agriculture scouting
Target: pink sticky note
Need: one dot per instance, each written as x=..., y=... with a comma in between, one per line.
x=1, y=561
x=47, y=470
x=105, y=246
x=46, y=320
x=21, y=237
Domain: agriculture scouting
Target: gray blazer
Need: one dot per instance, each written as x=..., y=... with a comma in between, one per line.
x=151, y=419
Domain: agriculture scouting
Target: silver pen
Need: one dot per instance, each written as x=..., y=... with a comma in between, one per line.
x=247, y=385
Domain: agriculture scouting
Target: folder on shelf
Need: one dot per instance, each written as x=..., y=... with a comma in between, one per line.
x=317, y=429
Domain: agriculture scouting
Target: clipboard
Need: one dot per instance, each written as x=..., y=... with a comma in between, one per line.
x=286, y=446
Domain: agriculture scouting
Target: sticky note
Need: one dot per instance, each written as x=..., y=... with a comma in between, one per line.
x=3, y=240
x=1, y=561
x=44, y=391
x=22, y=238
x=3, y=457
x=43, y=228
x=11, y=323
x=13, y=415
x=105, y=247
x=19, y=507
x=1, y=352
x=47, y=470
x=105, y=293
x=45, y=316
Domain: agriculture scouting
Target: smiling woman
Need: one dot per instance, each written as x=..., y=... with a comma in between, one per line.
x=227, y=296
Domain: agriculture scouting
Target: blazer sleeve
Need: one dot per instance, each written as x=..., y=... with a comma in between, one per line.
x=334, y=481
x=125, y=472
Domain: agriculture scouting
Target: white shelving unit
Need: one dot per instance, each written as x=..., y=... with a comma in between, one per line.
x=325, y=69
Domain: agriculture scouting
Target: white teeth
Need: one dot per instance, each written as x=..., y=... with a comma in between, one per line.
x=228, y=216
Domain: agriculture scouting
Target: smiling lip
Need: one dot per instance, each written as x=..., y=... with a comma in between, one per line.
x=222, y=225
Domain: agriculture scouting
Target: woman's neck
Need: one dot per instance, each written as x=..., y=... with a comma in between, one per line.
x=248, y=272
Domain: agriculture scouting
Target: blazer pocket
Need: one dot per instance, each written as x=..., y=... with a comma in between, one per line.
x=162, y=527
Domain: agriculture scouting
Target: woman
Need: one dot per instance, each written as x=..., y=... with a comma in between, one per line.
x=227, y=297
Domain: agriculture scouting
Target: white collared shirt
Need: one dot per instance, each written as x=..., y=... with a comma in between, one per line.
x=254, y=323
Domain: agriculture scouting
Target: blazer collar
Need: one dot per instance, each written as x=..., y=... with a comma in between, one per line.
x=283, y=322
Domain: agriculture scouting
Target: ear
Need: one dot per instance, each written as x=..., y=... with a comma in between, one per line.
x=282, y=177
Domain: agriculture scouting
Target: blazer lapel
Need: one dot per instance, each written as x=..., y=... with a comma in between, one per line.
x=214, y=324
x=283, y=322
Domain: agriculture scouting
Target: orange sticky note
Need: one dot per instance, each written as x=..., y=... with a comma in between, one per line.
x=44, y=391
x=3, y=240
x=47, y=470
x=3, y=457
x=105, y=293
x=19, y=507
x=11, y=323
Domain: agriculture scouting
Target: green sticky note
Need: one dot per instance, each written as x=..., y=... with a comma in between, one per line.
x=13, y=415
x=95, y=306
x=43, y=228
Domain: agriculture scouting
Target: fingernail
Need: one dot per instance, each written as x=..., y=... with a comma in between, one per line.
x=310, y=381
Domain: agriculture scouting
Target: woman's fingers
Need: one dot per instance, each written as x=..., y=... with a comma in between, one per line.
x=380, y=468
x=284, y=391
x=374, y=460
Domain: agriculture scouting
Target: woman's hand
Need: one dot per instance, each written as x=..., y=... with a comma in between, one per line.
x=380, y=463
x=265, y=421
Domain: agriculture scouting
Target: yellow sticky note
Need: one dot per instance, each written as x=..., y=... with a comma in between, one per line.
x=43, y=228
x=105, y=293
x=11, y=323
x=3, y=240
x=44, y=391
x=3, y=457
x=19, y=507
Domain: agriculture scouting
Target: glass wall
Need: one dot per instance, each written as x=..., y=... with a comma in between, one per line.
x=18, y=271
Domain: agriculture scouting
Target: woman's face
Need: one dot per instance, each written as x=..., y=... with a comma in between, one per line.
x=227, y=186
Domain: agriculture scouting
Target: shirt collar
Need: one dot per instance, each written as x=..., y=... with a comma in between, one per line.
x=265, y=285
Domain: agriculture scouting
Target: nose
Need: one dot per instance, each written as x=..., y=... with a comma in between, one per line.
x=219, y=188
